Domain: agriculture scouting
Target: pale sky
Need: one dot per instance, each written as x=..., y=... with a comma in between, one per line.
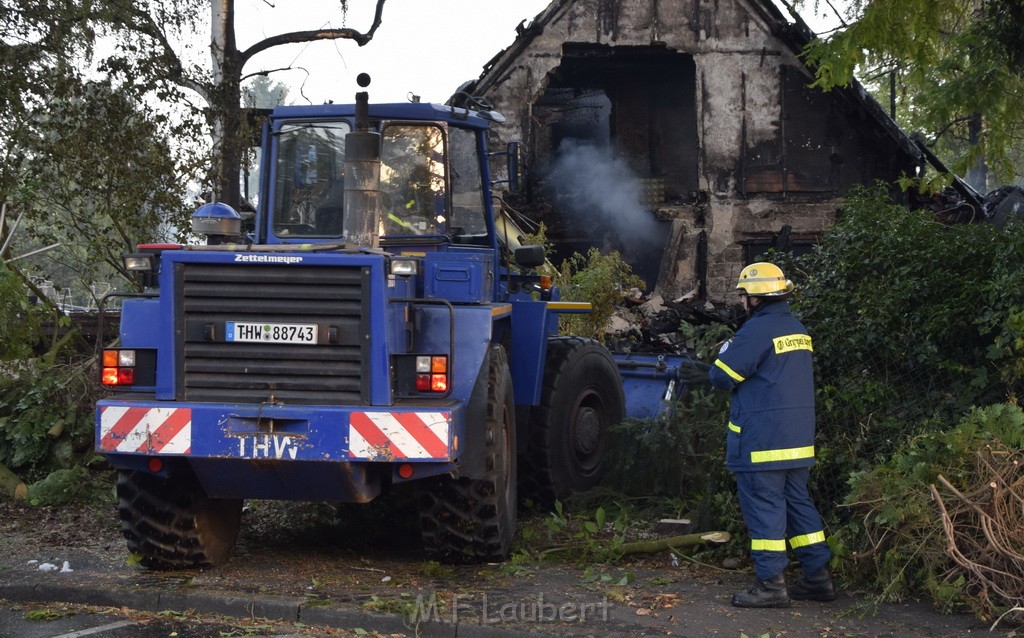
x=424, y=47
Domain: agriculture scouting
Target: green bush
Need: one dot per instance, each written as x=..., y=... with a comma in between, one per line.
x=902, y=551
x=72, y=485
x=914, y=322
x=918, y=334
x=45, y=415
x=677, y=461
x=599, y=279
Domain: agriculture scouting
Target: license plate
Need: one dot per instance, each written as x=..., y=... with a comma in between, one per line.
x=251, y=332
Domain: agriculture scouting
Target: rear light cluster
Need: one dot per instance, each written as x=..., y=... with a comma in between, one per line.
x=431, y=374
x=118, y=367
x=128, y=367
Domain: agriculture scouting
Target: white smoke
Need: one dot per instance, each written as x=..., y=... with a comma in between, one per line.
x=598, y=194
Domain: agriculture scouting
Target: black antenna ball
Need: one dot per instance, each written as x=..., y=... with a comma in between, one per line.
x=363, y=80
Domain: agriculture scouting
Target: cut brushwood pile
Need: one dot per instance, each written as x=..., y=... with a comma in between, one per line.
x=984, y=528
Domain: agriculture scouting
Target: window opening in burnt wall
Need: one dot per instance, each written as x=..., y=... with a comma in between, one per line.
x=615, y=146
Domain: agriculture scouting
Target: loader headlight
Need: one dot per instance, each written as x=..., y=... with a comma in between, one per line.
x=140, y=262
x=405, y=266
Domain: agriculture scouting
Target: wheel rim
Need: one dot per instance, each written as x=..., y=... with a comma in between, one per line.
x=588, y=433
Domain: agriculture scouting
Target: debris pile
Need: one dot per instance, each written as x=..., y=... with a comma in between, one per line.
x=953, y=206
x=650, y=323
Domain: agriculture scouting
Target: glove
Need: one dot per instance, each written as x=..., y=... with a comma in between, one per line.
x=694, y=372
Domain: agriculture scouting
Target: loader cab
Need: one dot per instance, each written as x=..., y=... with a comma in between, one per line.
x=433, y=175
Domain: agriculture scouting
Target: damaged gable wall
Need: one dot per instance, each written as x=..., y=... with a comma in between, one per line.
x=706, y=103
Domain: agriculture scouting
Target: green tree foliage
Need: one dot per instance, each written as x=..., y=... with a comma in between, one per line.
x=19, y=317
x=86, y=162
x=959, y=66
x=150, y=51
x=105, y=180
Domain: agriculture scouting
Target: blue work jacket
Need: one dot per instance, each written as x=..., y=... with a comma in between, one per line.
x=767, y=366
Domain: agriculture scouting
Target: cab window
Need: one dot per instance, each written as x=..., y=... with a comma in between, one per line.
x=412, y=180
x=467, y=216
x=309, y=189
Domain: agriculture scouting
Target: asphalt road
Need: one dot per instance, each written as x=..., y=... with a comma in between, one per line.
x=313, y=578
x=21, y=620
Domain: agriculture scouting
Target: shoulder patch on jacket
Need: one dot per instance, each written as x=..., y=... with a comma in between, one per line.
x=788, y=343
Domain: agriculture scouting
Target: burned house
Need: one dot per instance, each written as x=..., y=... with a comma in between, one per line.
x=684, y=134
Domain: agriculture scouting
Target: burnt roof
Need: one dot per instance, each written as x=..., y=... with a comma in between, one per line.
x=795, y=35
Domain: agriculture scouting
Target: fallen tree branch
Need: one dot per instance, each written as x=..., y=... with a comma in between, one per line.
x=11, y=485
x=673, y=542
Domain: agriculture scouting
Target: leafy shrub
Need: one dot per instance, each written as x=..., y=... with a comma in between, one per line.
x=903, y=548
x=914, y=322
x=599, y=279
x=74, y=484
x=42, y=405
x=918, y=328
x=678, y=459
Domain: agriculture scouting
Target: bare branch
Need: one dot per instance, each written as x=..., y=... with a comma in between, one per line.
x=265, y=72
x=836, y=11
x=319, y=34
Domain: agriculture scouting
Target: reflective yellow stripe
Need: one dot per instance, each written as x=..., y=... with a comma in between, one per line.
x=807, y=539
x=789, y=343
x=729, y=371
x=766, y=545
x=735, y=428
x=398, y=220
x=790, y=454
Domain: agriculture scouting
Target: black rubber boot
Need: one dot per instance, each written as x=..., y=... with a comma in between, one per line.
x=764, y=593
x=818, y=586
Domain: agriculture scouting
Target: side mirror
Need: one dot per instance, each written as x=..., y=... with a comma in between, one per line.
x=514, y=178
x=531, y=256
x=513, y=166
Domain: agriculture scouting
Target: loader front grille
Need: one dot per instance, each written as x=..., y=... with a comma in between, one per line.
x=332, y=372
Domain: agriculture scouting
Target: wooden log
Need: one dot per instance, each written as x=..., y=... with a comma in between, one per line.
x=12, y=486
x=674, y=542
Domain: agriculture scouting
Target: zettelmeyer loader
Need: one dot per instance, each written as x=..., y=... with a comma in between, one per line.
x=378, y=323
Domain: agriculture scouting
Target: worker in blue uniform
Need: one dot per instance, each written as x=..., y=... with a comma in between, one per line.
x=770, y=439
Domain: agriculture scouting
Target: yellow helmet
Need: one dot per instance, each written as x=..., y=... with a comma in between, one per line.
x=764, y=280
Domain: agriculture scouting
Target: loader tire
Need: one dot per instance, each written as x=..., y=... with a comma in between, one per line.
x=172, y=524
x=569, y=430
x=473, y=520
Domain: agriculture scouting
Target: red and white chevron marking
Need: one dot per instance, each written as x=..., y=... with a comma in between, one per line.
x=146, y=430
x=399, y=435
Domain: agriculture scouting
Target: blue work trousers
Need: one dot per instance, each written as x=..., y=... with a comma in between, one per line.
x=778, y=509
